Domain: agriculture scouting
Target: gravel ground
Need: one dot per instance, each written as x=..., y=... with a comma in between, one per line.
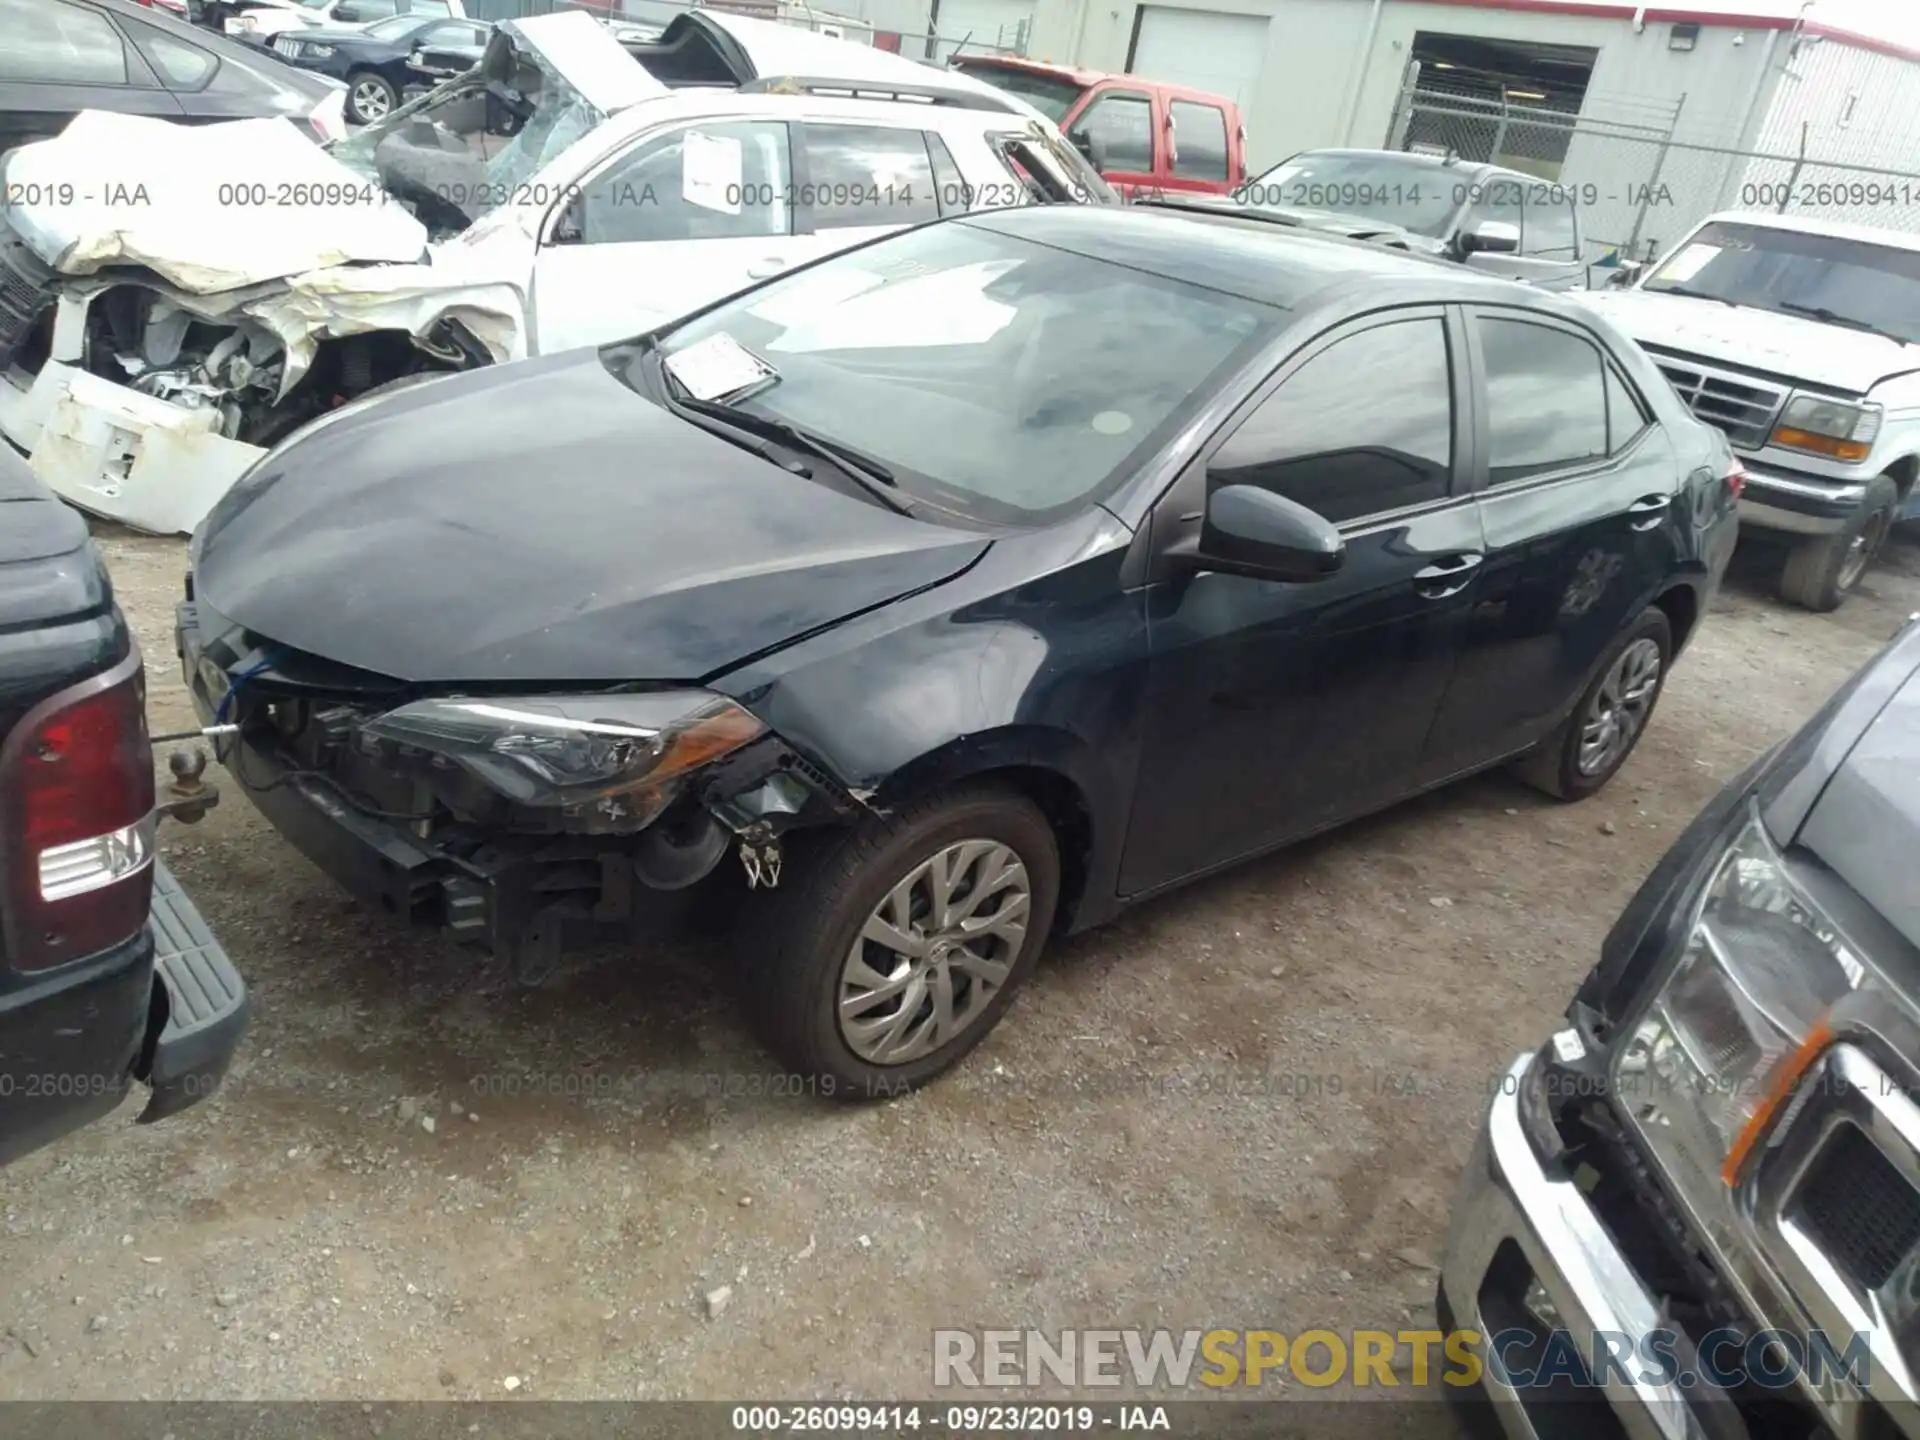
x=420, y=1180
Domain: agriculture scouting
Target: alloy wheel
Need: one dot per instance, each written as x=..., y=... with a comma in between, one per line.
x=370, y=101
x=1620, y=707
x=934, y=952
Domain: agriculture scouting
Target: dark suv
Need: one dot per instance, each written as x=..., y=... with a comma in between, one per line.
x=108, y=975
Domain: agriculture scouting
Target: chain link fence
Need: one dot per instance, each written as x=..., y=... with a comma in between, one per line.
x=1639, y=183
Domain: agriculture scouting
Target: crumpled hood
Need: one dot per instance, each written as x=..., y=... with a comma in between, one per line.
x=545, y=524
x=1788, y=345
x=1866, y=824
x=206, y=207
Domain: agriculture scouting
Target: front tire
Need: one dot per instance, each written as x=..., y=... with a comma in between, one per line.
x=1605, y=727
x=890, y=950
x=1821, y=572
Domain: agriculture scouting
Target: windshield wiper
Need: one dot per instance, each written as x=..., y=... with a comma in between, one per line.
x=1834, y=317
x=1693, y=294
x=866, y=472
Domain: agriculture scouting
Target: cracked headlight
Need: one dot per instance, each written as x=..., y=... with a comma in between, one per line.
x=612, y=761
x=1838, y=429
x=1739, y=1019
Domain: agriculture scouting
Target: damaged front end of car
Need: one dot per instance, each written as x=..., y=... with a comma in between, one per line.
x=161, y=330
x=527, y=825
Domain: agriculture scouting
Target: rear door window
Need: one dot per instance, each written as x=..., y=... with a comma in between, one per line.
x=863, y=175
x=57, y=43
x=1546, y=399
x=1626, y=416
x=1122, y=120
x=706, y=182
x=1199, y=141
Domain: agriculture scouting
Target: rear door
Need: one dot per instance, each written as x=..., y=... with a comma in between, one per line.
x=59, y=57
x=1200, y=145
x=681, y=217
x=1578, y=491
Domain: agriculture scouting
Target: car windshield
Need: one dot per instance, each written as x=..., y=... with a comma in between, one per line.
x=1829, y=277
x=1049, y=94
x=465, y=147
x=1000, y=379
x=1397, y=190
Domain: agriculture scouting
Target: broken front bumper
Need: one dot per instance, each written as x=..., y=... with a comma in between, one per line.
x=117, y=453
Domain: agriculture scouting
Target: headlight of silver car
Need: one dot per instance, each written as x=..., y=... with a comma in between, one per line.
x=1739, y=1019
x=613, y=761
x=1839, y=429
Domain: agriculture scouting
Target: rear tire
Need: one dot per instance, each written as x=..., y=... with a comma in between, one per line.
x=1822, y=571
x=985, y=856
x=370, y=97
x=1576, y=761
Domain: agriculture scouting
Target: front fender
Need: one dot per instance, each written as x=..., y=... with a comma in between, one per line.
x=984, y=674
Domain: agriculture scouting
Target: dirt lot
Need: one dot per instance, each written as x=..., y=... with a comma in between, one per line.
x=1112, y=1156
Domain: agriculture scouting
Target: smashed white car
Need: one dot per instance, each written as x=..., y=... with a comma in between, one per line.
x=174, y=300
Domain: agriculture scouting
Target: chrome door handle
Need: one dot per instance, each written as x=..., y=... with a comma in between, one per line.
x=1447, y=577
x=760, y=270
x=1649, y=511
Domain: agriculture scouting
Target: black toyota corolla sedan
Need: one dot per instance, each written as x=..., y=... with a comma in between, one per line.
x=964, y=588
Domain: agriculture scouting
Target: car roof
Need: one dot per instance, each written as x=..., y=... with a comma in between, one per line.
x=1071, y=73
x=1808, y=225
x=1256, y=260
x=776, y=50
x=1419, y=160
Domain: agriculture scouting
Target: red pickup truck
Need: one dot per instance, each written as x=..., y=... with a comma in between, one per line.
x=1141, y=134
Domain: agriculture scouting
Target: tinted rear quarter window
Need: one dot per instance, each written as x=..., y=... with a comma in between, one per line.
x=1324, y=440
x=1546, y=399
x=1626, y=416
x=1200, y=137
x=180, y=65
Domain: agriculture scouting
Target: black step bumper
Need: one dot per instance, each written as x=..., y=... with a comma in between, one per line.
x=206, y=1005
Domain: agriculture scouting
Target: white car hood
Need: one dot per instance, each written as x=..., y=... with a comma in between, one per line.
x=174, y=199
x=1829, y=355
x=212, y=208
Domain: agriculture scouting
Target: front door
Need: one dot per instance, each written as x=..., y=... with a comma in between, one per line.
x=1121, y=121
x=1580, y=505
x=680, y=219
x=1275, y=709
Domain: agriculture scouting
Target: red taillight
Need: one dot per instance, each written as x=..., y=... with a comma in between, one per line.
x=76, y=801
x=1736, y=480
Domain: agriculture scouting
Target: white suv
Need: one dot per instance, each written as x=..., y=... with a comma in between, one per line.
x=560, y=194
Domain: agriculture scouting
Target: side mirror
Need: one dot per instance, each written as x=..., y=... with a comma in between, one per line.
x=1254, y=532
x=1625, y=275
x=1091, y=146
x=1490, y=237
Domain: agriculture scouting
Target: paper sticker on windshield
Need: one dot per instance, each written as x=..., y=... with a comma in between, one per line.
x=1688, y=263
x=710, y=172
x=718, y=366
